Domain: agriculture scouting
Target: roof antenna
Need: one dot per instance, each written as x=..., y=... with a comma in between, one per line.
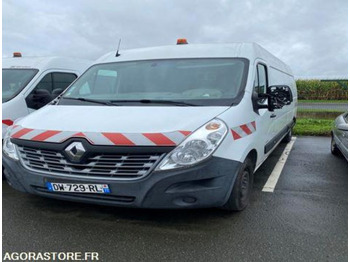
x=117, y=54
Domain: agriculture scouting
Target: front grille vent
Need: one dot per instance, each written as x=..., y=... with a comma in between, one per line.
x=118, y=166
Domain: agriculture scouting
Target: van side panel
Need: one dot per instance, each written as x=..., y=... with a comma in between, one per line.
x=240, y=140
x=245, y=132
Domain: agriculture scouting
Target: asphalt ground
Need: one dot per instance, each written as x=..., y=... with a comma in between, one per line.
x=304, y=219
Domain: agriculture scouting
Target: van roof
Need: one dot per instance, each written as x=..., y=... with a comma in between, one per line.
x=250, y=51
x=46, y=62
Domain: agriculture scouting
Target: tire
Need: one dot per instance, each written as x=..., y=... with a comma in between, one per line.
x=288, y=137
x=3, y=176
x=334, y=148
x=242, y=188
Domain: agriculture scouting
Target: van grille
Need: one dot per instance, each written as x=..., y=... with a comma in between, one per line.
x=118, y=166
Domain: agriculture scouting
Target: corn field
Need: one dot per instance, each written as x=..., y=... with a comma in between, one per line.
x=319, y=90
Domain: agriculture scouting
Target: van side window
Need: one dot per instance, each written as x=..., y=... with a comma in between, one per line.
x=49, y=87
x=45, y=83
x=62, y=80
x=256, y=82
x=262, y=82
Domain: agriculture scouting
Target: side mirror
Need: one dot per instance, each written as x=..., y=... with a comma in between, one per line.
x=277, y=97
x=41, y=94
x=343, y=127
x=38, y=98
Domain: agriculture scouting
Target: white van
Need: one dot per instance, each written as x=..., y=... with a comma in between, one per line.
x=29, y=83
x=181, y=126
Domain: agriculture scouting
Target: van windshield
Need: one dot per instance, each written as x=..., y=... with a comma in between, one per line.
x=186, y=81
x=14, y=80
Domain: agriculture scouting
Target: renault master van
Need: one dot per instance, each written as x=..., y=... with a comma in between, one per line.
x=29, y=83
x=183, y=126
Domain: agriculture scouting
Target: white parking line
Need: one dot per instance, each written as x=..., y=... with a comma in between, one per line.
x=273, y=178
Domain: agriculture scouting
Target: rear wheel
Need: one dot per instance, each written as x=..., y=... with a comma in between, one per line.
x=288, y=137
x=242, y=188
x=334, y=148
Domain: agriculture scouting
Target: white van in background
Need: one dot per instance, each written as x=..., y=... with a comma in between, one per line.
x=29, y=83
x=182, y=126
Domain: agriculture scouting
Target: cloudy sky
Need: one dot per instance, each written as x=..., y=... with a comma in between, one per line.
x=310, y=35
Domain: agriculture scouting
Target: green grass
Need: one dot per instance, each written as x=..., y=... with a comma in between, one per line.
x=313, y=127
x=316, y=122
x=322, y=101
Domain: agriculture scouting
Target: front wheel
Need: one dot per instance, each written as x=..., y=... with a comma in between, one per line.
x=242, y=188
x=334, y=148
x=288, y=137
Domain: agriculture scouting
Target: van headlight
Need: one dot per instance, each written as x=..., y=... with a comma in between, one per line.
x=8, y=147
x=197, y=147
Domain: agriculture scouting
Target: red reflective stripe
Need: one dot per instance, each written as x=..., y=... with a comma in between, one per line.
x=21, y=132
x=118, y=139
x=253, y=123
x=45, y=135
x=246, y=129
x=185, y=133
x=235, y=135
x=7, y=122
x=159, y=139
x=80, y=134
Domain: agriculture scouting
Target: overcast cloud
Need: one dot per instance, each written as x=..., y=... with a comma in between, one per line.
x=310, y=35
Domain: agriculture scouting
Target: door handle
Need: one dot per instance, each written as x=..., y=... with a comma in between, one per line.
x=273, y=116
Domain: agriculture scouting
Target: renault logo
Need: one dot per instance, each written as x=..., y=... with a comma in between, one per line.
x=75, y=151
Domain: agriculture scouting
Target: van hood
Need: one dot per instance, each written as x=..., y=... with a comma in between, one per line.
x=123, y=123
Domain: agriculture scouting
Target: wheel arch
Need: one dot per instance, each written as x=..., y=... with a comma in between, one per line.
x=253, y=155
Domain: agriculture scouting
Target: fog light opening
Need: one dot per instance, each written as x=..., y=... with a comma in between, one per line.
x=189, y=200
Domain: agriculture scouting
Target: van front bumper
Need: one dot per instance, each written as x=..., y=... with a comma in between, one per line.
x=207, y=184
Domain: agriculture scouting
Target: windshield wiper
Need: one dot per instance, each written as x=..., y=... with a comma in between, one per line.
x=108, y=103
x=150, y=101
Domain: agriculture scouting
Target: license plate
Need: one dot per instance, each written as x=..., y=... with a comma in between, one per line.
x=78, y=188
